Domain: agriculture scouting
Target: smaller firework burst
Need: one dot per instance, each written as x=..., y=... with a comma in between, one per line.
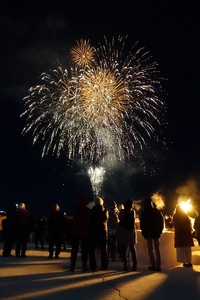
x=83, y=53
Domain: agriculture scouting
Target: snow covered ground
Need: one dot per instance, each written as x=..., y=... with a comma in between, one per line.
x=38, y=277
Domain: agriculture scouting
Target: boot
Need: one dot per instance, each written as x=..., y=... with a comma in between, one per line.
x=125, y=265
x=134, y=268
x=72, y=267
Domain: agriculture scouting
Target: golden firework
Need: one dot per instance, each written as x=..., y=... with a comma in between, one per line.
x=82, y=54
x=105, y=102
x=104, y=97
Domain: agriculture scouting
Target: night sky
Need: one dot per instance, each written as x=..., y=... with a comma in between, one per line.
x=35, y=36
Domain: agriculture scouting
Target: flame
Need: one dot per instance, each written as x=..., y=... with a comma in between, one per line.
x=186, y=205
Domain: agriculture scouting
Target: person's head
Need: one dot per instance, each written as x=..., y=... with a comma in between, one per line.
x=57, y=207
x=113, y=205
x=99, y=201
x=120, y=206
x=147, y=203
x=128, y=205
x=22, y=206
x=179, y=209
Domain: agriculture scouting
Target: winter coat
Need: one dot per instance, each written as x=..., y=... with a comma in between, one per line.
x=81, y=222
x=23, y=221
x=126, y=228
x=182, y=230
x=151, y=223
x=56, y=224
x=99, y=221
x=8, y=224
x=113, y=221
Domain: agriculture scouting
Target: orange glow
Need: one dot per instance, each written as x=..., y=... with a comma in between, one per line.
x=186, y=205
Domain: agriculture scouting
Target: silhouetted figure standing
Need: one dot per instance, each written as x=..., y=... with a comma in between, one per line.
x=23, y=228
x=39, y=231
x=120, y=207
x=66, y=231
x=112, y=230
x=126, y=234
x=183, y=240
x=99, y=234
x=80, y=234
x=151, y=225
x=9, y=231
x=55, y=231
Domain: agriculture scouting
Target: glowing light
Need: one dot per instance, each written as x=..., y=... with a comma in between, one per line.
x=159, y=200
x=96, y=177
x=186, y=205
x=107, y=102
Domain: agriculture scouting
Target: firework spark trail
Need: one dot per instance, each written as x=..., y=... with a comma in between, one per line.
x=106, y=102
x=96, y=177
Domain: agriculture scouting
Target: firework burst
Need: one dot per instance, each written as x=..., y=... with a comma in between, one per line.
x=106, y=102
x=83, y=53
x=104, y=96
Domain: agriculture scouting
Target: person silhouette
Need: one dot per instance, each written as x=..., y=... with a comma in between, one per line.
x=152, y=225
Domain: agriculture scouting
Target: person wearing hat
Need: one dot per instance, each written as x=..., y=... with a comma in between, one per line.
x=183, y=239
x=55, y=231
x=99, y=234
x=9, y=230
x=152, y=225
x=80, y=233
x=112, y=229
x=23, y=227
x=126, y=234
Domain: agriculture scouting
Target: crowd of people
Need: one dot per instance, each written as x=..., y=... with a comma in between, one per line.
x=112, y=232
